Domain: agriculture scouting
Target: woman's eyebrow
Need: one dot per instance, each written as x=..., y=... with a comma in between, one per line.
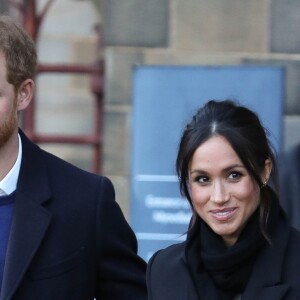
x=233, y=167
x=200, y=171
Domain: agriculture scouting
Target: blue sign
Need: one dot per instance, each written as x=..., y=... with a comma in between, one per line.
x=164, y=100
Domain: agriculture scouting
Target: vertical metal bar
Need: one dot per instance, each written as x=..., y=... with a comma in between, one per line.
x=31, y=23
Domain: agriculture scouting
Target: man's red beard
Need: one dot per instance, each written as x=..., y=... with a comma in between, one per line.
x=8, y=127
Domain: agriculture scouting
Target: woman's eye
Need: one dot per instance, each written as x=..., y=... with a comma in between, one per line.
x=235, y=175
x=202, y=179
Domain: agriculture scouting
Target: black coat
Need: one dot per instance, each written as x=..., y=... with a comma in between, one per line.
x=289, y=168
x=69, y=239
x=275, y=275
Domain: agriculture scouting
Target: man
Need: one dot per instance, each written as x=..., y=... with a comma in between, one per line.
x=62, y=235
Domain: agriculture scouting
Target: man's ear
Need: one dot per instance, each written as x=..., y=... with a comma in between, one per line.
x=25, y=94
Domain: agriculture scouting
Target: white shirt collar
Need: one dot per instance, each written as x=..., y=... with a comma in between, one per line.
x=9, y=183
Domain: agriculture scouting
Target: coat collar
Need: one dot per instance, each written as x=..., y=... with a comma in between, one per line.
x=266, y=280
x=33, y=172
x=30, y=219
x=270, y=262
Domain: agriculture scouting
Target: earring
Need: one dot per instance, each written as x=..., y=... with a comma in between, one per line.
x=264, y=183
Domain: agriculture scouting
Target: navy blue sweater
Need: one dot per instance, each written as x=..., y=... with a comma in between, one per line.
x=6, y=212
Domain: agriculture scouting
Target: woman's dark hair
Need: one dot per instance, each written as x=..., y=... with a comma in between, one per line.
x=242, y=128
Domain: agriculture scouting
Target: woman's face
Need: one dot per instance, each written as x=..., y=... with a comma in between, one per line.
x=223, y=193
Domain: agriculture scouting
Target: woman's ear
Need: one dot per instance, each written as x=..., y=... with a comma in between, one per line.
x=25, y=94
x=267, y=171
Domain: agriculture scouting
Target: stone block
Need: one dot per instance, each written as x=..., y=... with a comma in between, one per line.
x=136, y=23
x=119, y=63
x=3, y=6
x=292, y=79
x=291, y=132
x=285, y=22
x=69, y=18
x=218, y=25
x=186, y=57
x=60, y=49
x=54, y=49
x=116, y=146
x=84, y=52
x=80, y=156
x=64, y=111
x=122, y=193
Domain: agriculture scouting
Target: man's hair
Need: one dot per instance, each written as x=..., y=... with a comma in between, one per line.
x=19, y=52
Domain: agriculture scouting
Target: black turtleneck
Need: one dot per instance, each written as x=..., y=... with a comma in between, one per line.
x=221, y=272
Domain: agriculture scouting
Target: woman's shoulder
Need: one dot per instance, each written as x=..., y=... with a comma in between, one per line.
x=178, y=247
x=294, y=238
x=168, y=276
x=291, y=263
x=171, y=253
x=167, y=268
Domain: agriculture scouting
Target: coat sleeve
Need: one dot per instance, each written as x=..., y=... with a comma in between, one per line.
x=120, y=271
x=168, y=276
x=149, y=277
x=289, y=163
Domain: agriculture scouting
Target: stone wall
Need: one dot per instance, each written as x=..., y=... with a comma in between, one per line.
x=64, y=102
x=176, y=32
x=3, y=6
x=192, y=32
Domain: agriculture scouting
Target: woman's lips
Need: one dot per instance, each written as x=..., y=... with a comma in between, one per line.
x=223, y=214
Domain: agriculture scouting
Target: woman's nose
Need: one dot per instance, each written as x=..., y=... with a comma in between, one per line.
x=219, y=193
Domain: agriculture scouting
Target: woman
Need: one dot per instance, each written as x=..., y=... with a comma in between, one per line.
x=239, y=244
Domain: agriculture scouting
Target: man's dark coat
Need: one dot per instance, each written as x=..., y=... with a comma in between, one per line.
x=68, y=238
